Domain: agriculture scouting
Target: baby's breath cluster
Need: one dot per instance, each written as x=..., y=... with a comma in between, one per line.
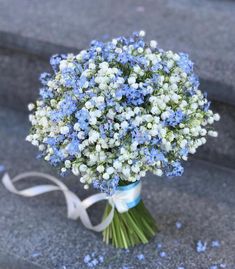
x=120, y=109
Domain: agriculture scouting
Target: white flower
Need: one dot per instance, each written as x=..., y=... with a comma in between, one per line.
x=41, y=147
x=117, y=165
x=126, y=171
x=203, y=132
x=213, y=133
x=92, y=66
x=110, y=170
x=124, y=124
x=135, y=169
x=75, y=169
x=89, y=105
x=31, y=106
x=153, y=44
x=86, y=186
x=100, y=168
x=93, y=136
x=142, y=33
x=131, y=80
x=83, y=168
x=186, y=130
x=183, y=143
x=98, y=148
x=158, y=172
x=64, y=130
x=216, y=117
x=76, y=126
x=93, y=121
x=210, y=120
x=106, y=176
x=192, y=150
x=67, y=163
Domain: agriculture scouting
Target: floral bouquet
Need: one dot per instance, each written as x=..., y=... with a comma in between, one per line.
x=115, y=111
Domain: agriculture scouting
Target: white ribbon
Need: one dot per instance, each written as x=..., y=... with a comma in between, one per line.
x=124, y=198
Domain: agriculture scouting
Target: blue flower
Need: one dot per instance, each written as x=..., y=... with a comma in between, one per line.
x=44, y=78
x=156, y=141
x=45, y=93
x=107, y=186
x=140, y=257
x=81, y=81
x=69, y=77
x=194, y=81
x=213, y=267
x=72, y=148
x=223, y=265
x=185, y=63
x=140, y=137
x=215, y=244
x=123, y=58
x=51, y=141
x=206, y=106
x=83, y=119
x=101, y=258
x=87, y=258
x=119, y=93
x=162, y=254
x=156, y=67
x=102, y=131
x=153, y=155
x=57, y=157
x=178, y=225
x=201, y=246
x=175, y=118
x=134, y=96
x=56, y=115
x=55, y=61
x=184, y=152
x=165, y=68
x=174, y=169
x=68, y=105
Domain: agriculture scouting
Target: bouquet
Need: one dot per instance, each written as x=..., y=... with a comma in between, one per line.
x=115, y=111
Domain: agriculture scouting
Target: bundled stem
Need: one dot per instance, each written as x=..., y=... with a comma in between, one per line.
x=128, y=229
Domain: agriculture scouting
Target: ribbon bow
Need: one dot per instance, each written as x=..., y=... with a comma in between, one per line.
x=124, y=198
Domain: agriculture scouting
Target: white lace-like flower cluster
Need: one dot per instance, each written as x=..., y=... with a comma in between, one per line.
x=120, y=109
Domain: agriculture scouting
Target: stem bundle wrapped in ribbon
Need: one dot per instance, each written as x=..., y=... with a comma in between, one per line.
x=115, y=111
x=126, y=221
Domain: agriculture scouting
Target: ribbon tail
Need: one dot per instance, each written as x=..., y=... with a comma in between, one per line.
x=75, y=207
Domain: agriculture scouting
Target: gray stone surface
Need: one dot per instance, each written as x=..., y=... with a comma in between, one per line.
x=10, y=261
x=37, y=230
x=221, y=150
x=19, y=78
x=203, y=28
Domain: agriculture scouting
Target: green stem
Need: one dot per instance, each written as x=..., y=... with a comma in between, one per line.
x=130, y=228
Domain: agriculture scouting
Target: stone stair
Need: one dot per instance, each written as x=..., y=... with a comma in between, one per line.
x=35, y=232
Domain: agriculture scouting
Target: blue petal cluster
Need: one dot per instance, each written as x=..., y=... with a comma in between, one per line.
x=107, y=186
x=175, y=118
x=174, y=169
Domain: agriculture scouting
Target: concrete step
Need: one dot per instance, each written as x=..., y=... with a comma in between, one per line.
x=204, y=29
x=221, y=150
x=9, y=261
x=37, y=230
